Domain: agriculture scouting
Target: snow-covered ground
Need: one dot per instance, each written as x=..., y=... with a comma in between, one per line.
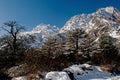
x=55, y=75
x=78, y=72
x=81, y=72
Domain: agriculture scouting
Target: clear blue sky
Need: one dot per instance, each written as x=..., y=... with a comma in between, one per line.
x=55, y=12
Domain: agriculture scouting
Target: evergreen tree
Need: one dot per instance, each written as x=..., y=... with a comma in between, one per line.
x=53, y=47
x=109, y=50
x=86, y=47
x=105, y=52
x=72, y=43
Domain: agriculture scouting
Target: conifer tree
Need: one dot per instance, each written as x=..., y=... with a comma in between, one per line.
x=53, y=47
x=109, y=50
x=72, y=43
x=86, y=46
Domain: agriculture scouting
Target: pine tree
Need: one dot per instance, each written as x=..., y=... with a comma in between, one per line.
x=109, y=50
x=72, y=43
x=52, y=47
x=86, y=47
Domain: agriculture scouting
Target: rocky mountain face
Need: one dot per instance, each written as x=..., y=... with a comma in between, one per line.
x=103, y=21
x=77, y=21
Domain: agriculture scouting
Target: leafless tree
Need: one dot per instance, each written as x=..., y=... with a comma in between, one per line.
x=11, y=42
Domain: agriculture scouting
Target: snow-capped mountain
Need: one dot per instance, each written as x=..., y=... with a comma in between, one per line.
x=103, y=21
x=46, y=30
x=40, y=33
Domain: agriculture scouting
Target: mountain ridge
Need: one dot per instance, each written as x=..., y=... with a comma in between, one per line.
x=103, y=21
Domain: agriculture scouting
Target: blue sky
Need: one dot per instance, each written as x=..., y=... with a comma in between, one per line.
x=30, y=13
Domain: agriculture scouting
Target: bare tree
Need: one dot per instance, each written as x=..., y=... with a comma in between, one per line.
x=13, y=29
x=12, y=42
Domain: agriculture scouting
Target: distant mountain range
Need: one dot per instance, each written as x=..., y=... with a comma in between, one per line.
x=103, y=21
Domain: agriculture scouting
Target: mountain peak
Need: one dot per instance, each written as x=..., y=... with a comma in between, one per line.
x=77, y=21
x=45, y=27
x=110, y=9
x=41, y=27
x=103, y=21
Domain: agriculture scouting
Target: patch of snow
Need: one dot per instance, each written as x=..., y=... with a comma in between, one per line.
x=106, y=12
x=91, y=24
x=96, y=39
x=114, y=78
x=40, y=34
x=19, y=78
x=104, y=20
x=109, y=9
x=75, y=69
x=111, y=78
x=81, y=72
x=99, y=69
x=77, y=21
x=114, y=34
x=86, y=65
x=57, y=76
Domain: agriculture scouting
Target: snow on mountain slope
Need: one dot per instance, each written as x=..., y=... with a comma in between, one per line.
x=103, y=21
x=40, y=33
x=46, y=30
x=78, y=21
